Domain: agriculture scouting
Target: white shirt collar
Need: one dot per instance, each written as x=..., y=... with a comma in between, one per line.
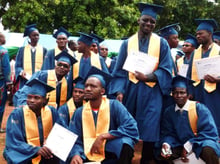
x=185, y=107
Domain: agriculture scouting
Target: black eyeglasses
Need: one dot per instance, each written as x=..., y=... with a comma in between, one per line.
x=62, y=64
x=104, y=49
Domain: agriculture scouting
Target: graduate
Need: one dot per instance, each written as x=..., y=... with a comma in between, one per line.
x=29, y=58
x=67, y=110
x=206, y=90
x=61, y=36
x=28, y=128
x=188, y=126
x=95, y=46
x=142, y=94
x=106, y=131
x=216, y=37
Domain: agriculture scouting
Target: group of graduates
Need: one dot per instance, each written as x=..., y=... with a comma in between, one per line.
x=170, y=109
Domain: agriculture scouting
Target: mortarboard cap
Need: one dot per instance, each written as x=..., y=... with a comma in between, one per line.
x=97, y=38
x=216, y=35
x=149, y=9
x=85, y=38
x=61, y=31
x=169, y=30
x=79, y=82
x=181, y=82
x=65, y=57
x=104, y=77
x=29, y=29
x=180, y=53
x=38, y=87
x=191, y=39
x=206, y=24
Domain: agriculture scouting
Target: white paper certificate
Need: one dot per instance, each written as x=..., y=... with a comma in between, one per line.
x=139, y=61
x=60, y=141
x=183, y=70
x=207, y=66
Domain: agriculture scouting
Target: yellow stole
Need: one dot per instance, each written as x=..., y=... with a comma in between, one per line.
x=153, y=50
x=57, y=51
x=95, y=61
x=108, y=61
x=31, y=127
x=71, y=107
x=193, y=117
x=198, y=55
x=51, y=80
x=180, y=62
x=91, y=132
x=27, y=58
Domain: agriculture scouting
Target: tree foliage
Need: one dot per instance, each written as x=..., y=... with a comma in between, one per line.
x=107, y=18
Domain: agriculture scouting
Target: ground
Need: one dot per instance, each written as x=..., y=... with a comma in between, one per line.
x=8, y=110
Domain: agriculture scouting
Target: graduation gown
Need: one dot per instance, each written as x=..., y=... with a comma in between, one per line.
x=122, y=125
x=142, y=101
x=176, y=129
x=19, y=64
x=17, y=150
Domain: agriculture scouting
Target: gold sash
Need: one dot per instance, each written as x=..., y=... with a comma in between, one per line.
x=90, y=132
x=71, y=107
x=51, y=80
x=57, y=51
x=95, y=61
x=31, y=127
x=193, y=117
x=153, y=50
x=27, y=59
x=180, y=62
x=209, y=87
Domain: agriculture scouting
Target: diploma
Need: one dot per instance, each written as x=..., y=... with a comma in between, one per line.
x=183, y=70
x=141, y=62
x=207, y=66
x=60, y=141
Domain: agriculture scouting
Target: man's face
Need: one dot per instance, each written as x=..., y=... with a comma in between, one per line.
x=146, y=24
x=2, y=39
x=93, y=89
x=217, y=41
x=35, y=102
x=34, y=37
x=188, y=47
x=173, y=41
x=78, y=95
x=104, y=51
x=94, y=48
x=180, y=96
x=62, y=68
x=62, y=41
x=82, y=47
x=203, y=36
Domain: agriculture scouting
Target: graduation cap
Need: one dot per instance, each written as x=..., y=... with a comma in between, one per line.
x=97, y=38
x=216, y=35
x=64, y=56
x=191, y=39
x=149, y=9
x=29, y=29
x=38, y=87
x=181, y=82
x=79, y=83
x=169, y=30
x=180, y=53
x=85, y=38
x=61, y=31
x=206, y=24
x=104, y=77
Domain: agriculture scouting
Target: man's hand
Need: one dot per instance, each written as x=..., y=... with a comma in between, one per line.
x=166, y=151
x=23, y=74
x=140, y=76
x=97, y=145
x=183, y=156
x=45, y=152
x=76, y=160
x=119, y=97
x=211, y=79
